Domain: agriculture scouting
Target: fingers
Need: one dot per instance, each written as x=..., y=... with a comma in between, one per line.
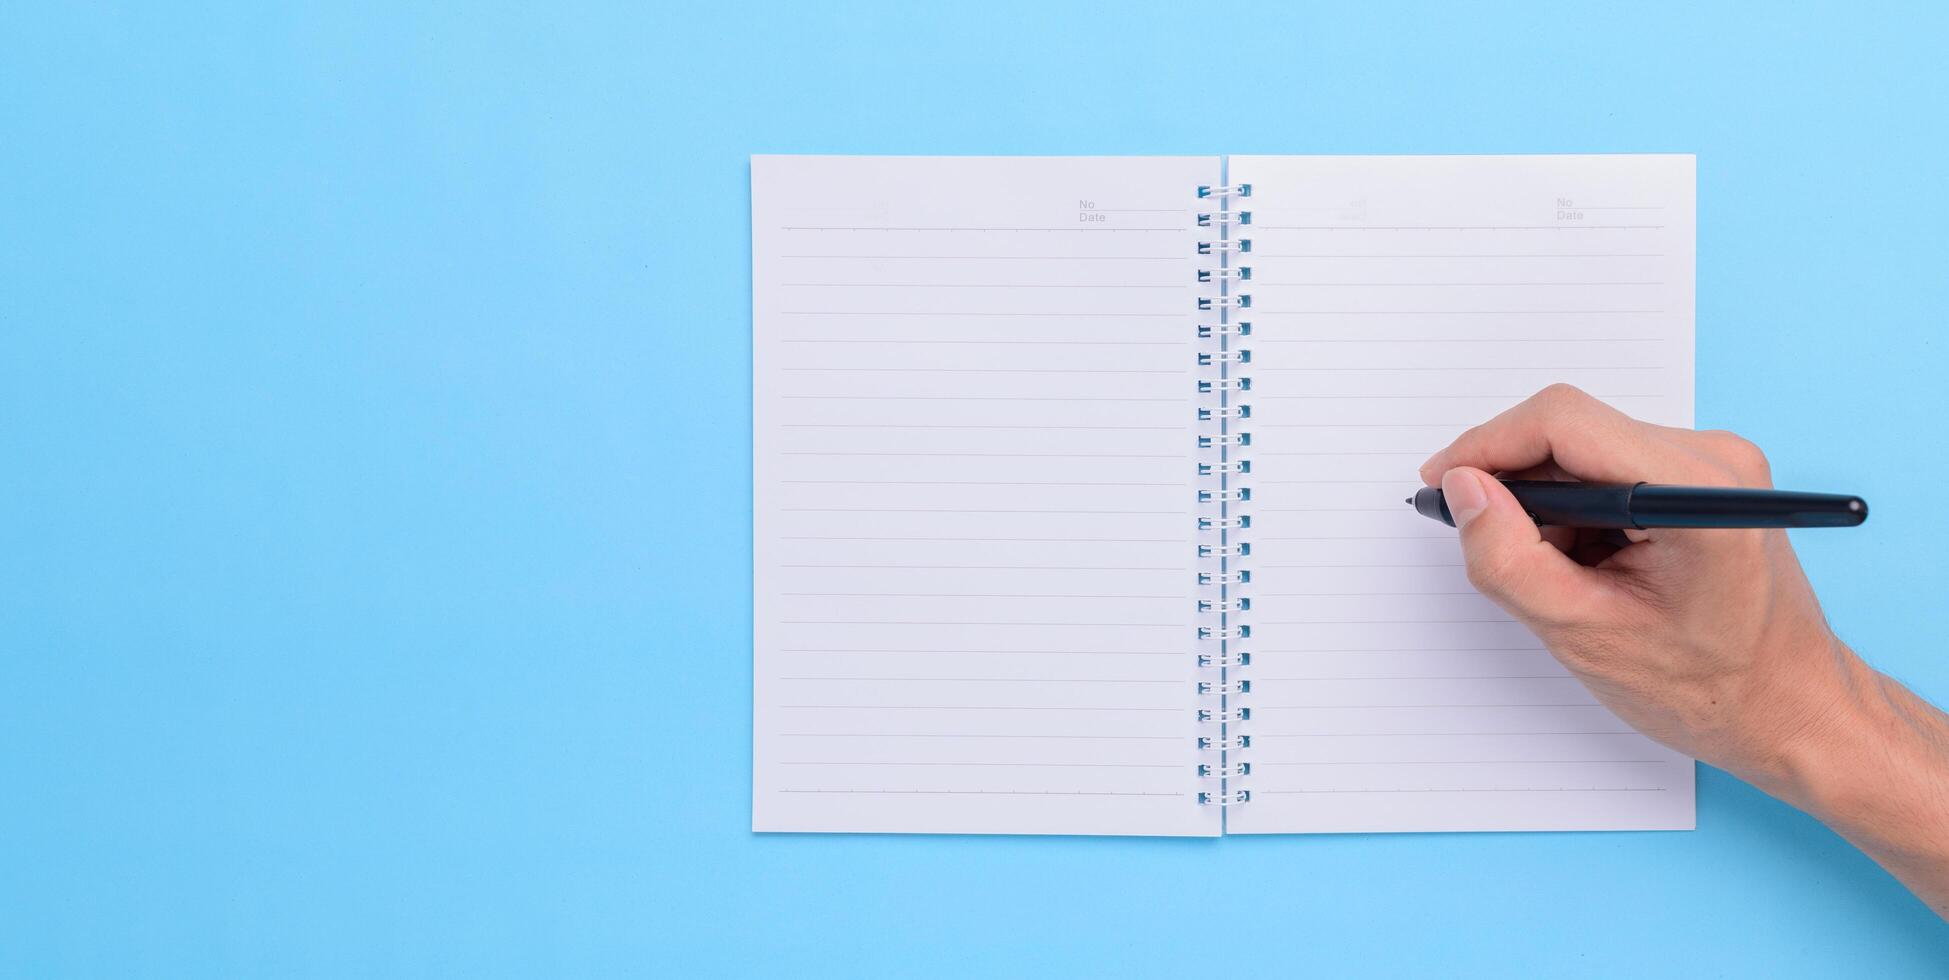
x=1508, y=559
x=1582, y=436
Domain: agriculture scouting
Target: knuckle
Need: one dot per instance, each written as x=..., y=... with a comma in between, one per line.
x=1745, y=460
x=1562, y=394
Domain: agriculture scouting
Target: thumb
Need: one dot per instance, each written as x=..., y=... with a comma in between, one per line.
x=1508, y=560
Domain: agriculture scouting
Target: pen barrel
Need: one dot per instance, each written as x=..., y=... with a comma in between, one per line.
x=1574, y=504
x=1722, y=507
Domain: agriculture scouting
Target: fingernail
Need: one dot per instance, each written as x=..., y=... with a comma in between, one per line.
x=1463, y=492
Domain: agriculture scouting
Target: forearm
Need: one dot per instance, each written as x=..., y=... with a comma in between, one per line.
x=1878, y=773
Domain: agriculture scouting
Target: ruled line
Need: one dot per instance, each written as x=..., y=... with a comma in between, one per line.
x=976, y=792
x=960, y=707
x=1003, y=765
x=1039, y=653
x=950, y=622
x=1551, y=789
x=1023, y=343
x=942, y=370
x=1566, y=226
x=971, y=595
x=1031, y=428
x=943, y=228
x=854, y=537
x=1601, y=282
x=996, y=285
x=1263, y=313
x=1364, y=707
x=815, y=452
x=953, y=510
x=1480, y=762
x=994, y=398
x=1012, y=258
x=1012, y=568
x=1107, y=738
x=1432, y=734
x=923, y=313
x=993, y=680
x=991, y=483
x=1462, y=256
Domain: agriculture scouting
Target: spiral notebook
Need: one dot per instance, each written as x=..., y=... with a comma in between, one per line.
x=1079, y=482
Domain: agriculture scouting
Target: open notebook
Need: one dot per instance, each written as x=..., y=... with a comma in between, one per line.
x=1079, y=488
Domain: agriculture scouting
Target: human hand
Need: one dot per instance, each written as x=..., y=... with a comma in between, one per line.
x=1710, y=641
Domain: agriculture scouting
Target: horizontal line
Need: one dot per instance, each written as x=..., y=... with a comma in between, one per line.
x=1568, y=226
x=1260, y=313
x=1016, y=568
x=1118, y=738
x=934, y=228
x=1053, y=653
x=1006, y=765
x=1435, y=564
x=950, y=622
x=1552, y=789
x=1339, y=510
x=1464, y=256
x=1031, y=428
x=1337, y=653
x=990, y=483
x=1377, y=622
x=1429, y=677
x=1359, y=425
x=1351, y=595
x=1459, y=340
x=1357, y=452
x=1517, y=394
x=1335, y=482
x=975, y=595
x=1480, y=762
x=1361, y=537
x=990, y=680
x=1363, y=707
x=939, y=370
x=1425, y=734
x=996, y=398
x=1614, y=207
x=953, y=510
x=996, y=285
x=1452, y=369
x=812, y=452
x=1025, y=343
x=974, y=792
x=958, y=707
x=1271, y=282
x=1013, y=258
x=842, y=537
x=922, y=313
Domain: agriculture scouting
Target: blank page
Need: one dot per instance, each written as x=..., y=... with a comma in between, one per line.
x=974, y=476
x=1396, y=301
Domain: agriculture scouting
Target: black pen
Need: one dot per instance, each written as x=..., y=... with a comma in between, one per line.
x=1646, y=505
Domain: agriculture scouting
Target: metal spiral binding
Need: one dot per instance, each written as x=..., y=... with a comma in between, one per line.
x=1223, y=603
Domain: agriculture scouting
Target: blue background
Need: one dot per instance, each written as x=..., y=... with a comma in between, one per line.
x=374, y=461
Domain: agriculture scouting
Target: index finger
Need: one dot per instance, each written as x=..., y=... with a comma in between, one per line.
x=1584, y=437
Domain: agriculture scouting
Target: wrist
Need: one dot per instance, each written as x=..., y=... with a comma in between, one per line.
x=1873, y=764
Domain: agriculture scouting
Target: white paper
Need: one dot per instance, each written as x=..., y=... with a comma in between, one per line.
x=1396, y=301
x=973, y=500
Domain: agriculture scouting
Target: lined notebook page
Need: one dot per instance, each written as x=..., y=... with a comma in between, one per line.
x=1398, y=300
x=973, y=454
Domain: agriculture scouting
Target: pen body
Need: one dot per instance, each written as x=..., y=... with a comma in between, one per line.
x=1620, y=506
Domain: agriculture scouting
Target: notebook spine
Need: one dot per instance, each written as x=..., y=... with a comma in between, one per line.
x=1224, y=493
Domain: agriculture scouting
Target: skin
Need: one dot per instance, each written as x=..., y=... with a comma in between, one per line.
x=1709, y=641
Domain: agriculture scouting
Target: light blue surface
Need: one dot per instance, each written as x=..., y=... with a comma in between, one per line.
x=374, y=461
